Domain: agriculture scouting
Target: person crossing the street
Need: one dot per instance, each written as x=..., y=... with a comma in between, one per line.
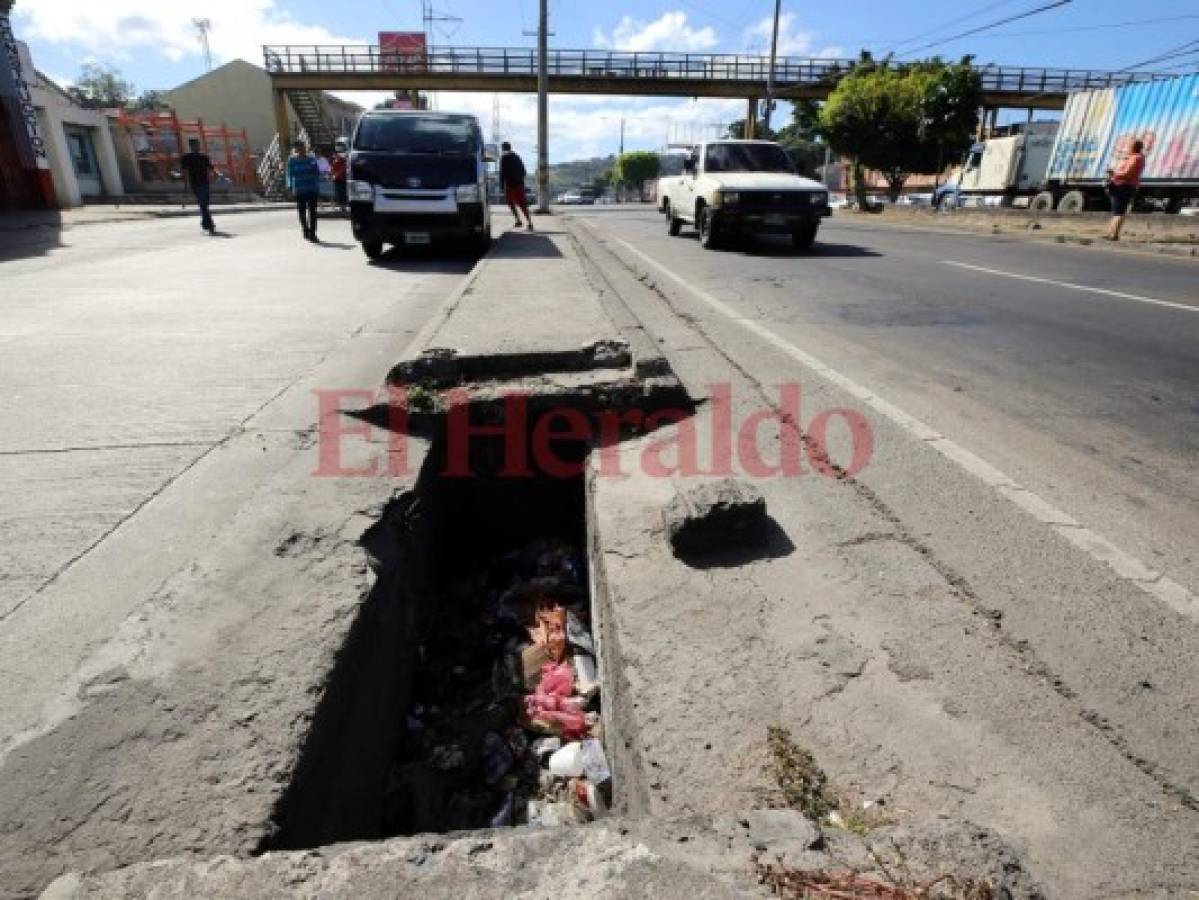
x=195, y=167
x=304, y=179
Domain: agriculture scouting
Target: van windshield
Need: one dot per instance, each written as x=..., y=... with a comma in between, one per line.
x=419, y=134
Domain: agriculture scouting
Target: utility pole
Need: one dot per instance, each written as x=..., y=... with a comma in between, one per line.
x=622, y=135
x=203, y=26
x=774, y=45
x=543, y=86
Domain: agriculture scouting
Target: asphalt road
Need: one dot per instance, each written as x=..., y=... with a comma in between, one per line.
x=1084, y=396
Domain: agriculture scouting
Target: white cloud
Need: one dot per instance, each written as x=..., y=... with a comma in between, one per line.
x=792, y=41
x=669, y=31
x=113, y=28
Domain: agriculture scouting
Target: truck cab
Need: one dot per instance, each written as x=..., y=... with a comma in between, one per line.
x=417, y=176
x=741, y=188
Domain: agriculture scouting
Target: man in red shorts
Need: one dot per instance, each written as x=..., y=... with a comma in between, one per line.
x=512, y=180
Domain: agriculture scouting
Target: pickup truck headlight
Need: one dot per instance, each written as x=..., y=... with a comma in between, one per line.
x=728, y=198
x=361, y=190
x=468, y=193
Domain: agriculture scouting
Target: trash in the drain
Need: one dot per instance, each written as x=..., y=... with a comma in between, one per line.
x=505, y=724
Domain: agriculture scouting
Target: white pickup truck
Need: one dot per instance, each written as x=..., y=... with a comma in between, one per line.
x=735, y=188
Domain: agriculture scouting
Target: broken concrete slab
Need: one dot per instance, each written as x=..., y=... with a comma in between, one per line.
x=620, y=858
x=710, y=514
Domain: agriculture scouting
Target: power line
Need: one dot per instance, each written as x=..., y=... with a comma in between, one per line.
x=1180, y=50
x=1129, y=24
x=950, y=23
x=705, y=12
x=1024, y=15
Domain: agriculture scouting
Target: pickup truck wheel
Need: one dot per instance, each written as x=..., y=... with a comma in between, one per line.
x=708, y=238
x=372, y=249
x=804, y=237
x=673, y=225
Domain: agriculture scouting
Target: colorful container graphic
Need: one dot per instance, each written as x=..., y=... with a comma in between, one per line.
x=1098, y=128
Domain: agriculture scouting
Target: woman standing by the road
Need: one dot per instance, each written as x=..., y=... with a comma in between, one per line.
x=1122, y=184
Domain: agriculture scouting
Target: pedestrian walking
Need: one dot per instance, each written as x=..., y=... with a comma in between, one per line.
x=338, y=167
x=512, y=180
x=1122, y=184
x=304, y=179
x=195, y=167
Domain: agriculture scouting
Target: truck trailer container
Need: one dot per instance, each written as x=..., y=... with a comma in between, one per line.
x=1096, y=132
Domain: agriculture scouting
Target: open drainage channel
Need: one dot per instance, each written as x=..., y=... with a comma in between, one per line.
x=468, y=693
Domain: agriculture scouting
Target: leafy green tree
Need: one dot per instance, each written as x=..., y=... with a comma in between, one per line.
x=100, y=87
x=901, y=120
x=148, y=101
x=735, y=131
x=636, y=168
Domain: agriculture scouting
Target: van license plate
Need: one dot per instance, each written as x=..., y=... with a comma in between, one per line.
x=416, y=237
x=775, y=219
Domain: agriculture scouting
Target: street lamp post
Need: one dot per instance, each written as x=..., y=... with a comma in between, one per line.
x=543, y=83
x=774, y=44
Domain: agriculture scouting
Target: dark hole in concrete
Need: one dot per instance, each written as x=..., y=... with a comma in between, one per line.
x=406, y=738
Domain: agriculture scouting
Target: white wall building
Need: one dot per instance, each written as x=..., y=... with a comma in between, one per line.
x=83, y=161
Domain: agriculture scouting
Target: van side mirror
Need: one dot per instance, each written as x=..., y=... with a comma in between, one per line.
x=689, y=166
x=490, y=153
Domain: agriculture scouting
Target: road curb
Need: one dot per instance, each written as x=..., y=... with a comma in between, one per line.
x=1189, y=252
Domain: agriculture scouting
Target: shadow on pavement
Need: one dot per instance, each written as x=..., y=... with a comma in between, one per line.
x=30, y=232
x=334, y=245
x=770, y=542
x=781, y=246
x=439, y=258
x=529, y=245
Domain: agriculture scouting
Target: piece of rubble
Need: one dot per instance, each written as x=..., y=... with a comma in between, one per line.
x=714, y=514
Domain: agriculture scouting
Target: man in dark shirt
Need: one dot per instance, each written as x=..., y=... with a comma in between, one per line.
x=512, y=180
x=196, y=166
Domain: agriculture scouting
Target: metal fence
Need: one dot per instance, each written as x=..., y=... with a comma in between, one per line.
x=618, y=65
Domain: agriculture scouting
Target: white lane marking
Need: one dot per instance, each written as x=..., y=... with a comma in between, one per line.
x=1125, y=565
x=1074, y=287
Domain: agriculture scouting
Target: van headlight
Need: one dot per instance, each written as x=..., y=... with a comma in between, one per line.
x=468, y=193
x=730, y=198
x=819, y=198
x=361, y=190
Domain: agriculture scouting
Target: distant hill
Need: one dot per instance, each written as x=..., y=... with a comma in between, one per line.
x=581, y=172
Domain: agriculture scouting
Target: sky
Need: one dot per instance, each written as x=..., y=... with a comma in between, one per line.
x=155, y=46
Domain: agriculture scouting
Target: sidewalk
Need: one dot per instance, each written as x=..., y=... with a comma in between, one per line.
x=527, y=308
x=19, y=220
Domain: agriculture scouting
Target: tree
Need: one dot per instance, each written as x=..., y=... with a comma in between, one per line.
x=900, y=120
x=100, y=87
x=148, y=101
x=600, y=182
x=735, y=131
x=636, y=168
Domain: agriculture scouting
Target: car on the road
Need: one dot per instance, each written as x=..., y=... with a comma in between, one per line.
x=741, y=188
x=571, y=198
x=417, y=176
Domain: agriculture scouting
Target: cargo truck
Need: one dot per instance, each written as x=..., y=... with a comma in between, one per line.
x=1063, y=166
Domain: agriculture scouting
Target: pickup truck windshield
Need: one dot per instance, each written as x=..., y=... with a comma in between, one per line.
x=418, y=134
x=747, y=158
